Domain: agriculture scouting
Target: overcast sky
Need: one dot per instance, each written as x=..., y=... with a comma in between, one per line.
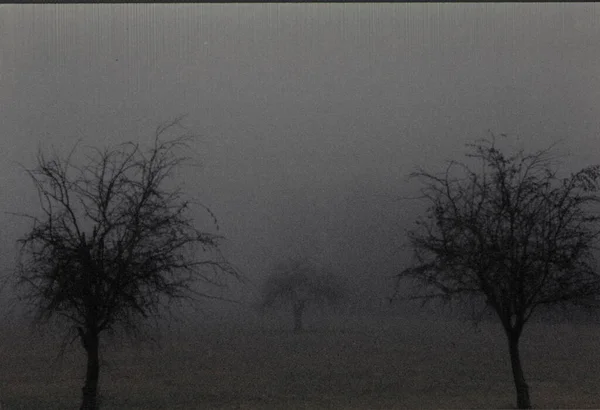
x=309, y=116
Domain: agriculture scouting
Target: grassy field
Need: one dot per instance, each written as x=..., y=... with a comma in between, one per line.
x=347, y=363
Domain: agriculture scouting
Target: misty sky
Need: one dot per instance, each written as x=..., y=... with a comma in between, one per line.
x=309, y=116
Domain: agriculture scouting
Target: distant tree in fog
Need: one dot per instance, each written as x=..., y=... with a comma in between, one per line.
x=113, y=245
x=511, y=231
x=297, y=284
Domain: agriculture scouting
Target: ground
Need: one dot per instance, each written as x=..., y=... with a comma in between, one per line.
x=356, y=362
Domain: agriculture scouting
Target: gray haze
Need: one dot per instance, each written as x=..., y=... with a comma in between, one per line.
x=309, y=116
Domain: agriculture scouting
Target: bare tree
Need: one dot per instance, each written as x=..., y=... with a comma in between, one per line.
x=299, y=283
x=512, y=232
x=114, y=245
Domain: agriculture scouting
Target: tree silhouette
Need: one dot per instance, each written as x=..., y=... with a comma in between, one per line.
x=299, y=283
x=114, y=245
x=511, y=231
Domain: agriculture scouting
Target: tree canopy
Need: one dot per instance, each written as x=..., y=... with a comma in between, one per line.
x=299, y=283
x=115, y=242
x=511, y=230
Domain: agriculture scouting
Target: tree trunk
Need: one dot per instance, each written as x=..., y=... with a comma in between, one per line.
x=90, y=388
x=523, y=401
x=298, y=312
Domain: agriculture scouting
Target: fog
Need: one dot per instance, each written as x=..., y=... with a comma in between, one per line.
x=307, y=121
x=308, y=117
